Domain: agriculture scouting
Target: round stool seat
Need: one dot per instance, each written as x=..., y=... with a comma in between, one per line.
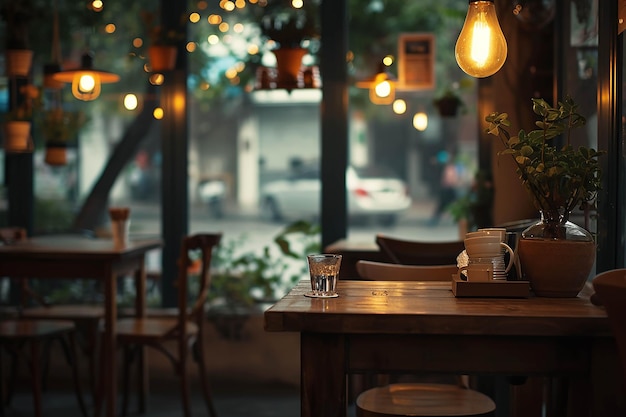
x=413, y=399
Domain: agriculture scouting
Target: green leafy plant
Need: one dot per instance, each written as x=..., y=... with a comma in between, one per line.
x=26, y=108
x=557, y=179
x=288, y=26
x=157, y=34
x=60, y=127
x=248, y=278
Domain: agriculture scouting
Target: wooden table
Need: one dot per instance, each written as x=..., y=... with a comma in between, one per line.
x=414, y=326
x=77, y=257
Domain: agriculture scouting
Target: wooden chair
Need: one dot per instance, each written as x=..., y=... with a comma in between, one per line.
x=34, y=306
x=610, y=287
x=381, y=271
x=185, y=330
x=418, y=399
x=410, y=252
x=15, y=334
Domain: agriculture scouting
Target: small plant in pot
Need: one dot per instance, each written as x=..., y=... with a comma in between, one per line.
x=556, y=255
x=18, y=121
x=163, y=43
x=60, y=130
x=18, y=55
x=290, y=29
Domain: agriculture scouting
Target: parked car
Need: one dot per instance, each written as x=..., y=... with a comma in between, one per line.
x=372, y=193
x=212, y=193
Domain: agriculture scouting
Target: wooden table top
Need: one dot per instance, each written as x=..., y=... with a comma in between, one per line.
x=397, y=307
x=62, y=246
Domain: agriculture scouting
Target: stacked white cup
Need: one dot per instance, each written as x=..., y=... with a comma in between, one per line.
x=485, y=249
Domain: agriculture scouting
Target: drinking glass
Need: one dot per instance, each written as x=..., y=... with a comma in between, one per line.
x=324, y=273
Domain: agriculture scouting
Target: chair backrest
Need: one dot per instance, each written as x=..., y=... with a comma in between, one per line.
x=381, y=271
x=409, y=252
x=610, y=287
x=195, y=257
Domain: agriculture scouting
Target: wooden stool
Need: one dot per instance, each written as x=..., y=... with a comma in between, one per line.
x=414, y=399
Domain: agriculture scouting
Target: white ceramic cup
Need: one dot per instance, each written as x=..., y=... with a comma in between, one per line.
x=491, y=231
x=482, y=246
x=495, y=231
x=477, y=272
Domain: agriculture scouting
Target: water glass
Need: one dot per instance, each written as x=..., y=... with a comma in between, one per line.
x=324, y=273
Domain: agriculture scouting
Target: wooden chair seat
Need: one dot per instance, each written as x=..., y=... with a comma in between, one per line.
x=151, y=328
x=414, y=399
x=15, y=333
x=65, y=312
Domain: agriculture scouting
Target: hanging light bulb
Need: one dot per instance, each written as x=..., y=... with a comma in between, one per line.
x=382, y=86
x=420, y=121
x=481, y=47
x=86, y=81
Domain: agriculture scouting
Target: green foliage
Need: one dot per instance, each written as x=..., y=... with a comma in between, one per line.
x=475, y=206
x=60, y=126
x=557, y=179
x=288, y=26
x=244, y=279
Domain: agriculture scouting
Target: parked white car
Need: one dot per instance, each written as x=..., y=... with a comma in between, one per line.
x=371, y=194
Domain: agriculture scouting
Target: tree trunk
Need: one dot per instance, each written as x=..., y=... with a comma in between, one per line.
x=95, y=205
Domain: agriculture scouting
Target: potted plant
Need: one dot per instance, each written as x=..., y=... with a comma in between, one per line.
x=288, y=28
x=18, y=121
x=162, y=49
x=448, y=103
x=60, y=129
x=555, y=254
x=19, y=56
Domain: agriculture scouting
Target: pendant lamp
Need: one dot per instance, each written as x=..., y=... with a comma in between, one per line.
x=382, y=86
x=86, y=80
x=481, y=47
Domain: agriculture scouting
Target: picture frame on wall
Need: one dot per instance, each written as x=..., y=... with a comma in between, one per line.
x=416, y=61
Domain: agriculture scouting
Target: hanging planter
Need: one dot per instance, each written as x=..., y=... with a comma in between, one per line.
x=56, y=154
x=60, y=131
x=288, y=64
x=17, y=136
x=18, y=62
x=162, y=57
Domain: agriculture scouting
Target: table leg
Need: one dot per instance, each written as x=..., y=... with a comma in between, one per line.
x=109, y=343
x=322, y=375
x=142, y=360
x=607, y=392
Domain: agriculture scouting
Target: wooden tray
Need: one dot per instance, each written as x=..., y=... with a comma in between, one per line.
x=497, y=288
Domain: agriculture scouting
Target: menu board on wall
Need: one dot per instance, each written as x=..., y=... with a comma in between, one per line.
x=416, y=61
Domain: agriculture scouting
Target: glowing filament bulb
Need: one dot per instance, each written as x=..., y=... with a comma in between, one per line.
x=481, y=47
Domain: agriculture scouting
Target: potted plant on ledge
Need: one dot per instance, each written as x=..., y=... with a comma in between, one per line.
x=556, y=255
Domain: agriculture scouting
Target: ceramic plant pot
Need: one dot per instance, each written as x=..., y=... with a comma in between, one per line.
x=17, y=137
x=556, y=256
